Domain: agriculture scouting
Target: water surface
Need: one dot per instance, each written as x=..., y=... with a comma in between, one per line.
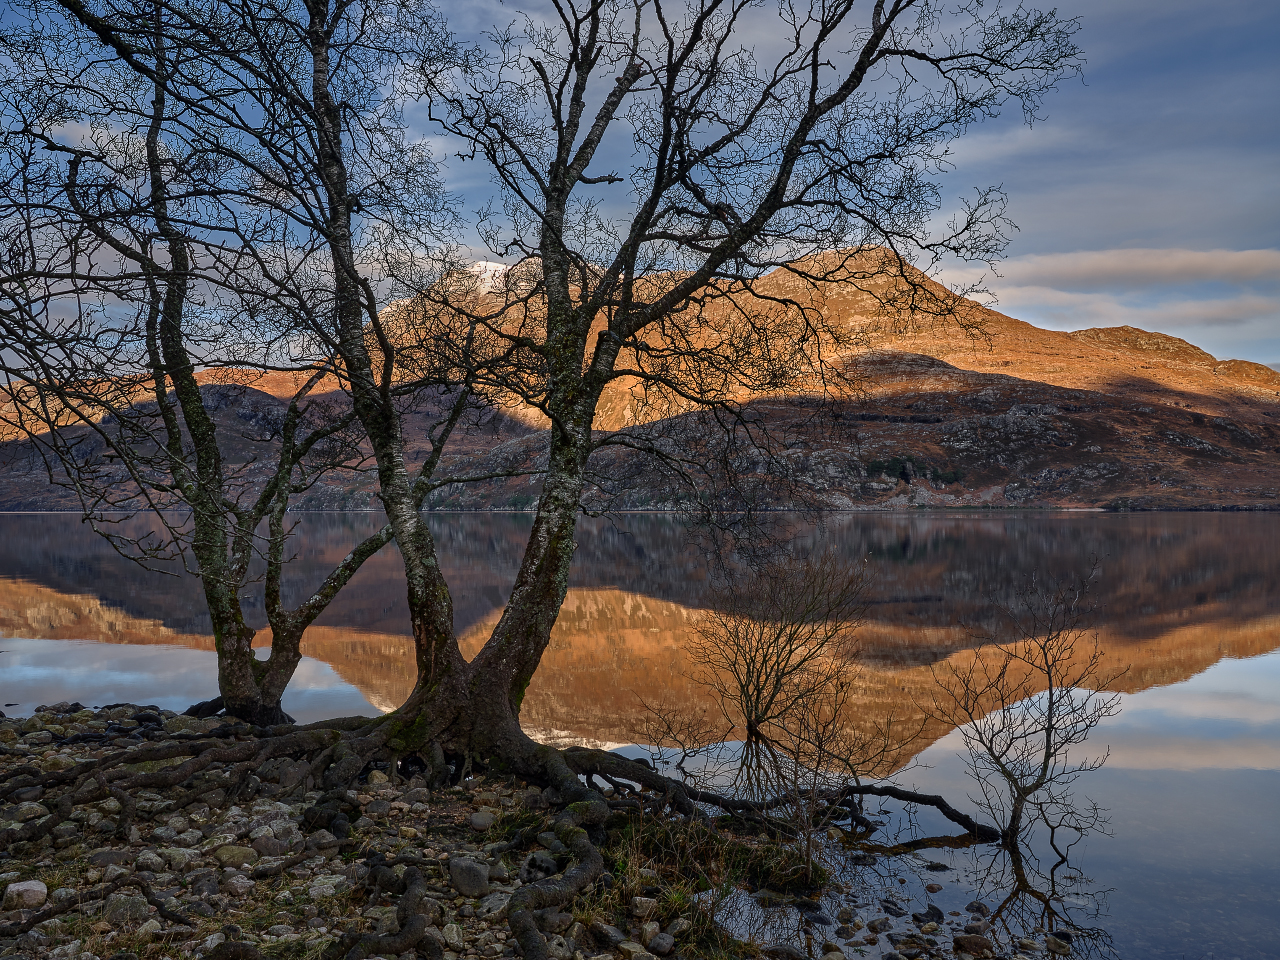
x=1189, y=610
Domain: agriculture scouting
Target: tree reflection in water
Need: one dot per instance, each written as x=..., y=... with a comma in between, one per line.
x=1025, y=705
x=1025, y=709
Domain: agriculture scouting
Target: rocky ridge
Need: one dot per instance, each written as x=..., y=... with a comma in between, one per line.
x=995, y=413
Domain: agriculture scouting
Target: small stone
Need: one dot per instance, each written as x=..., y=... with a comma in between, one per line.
x=113, y=873
x=453, y=936
x=1057, y=945
x=213, y=940
x=933, y=888
x=978, y=907
x=25, y=895
x=973, y=945
x=469, y=878
x=785, y=951
x=662, y=944
x=608, y=933
x=68, y=951
x=322, y=840
x=643, y=907
x=108, y=858
x=377, y=777
x=536, y=866
x=150, y=860
x=934, y=915
x=892, y=908
x=648, y=930
x=149, y=929
x=679, y=927
x=122, y=908
x=240, y=886
x=235, y=856
x=632, y=950
x=482, y=820
x=178, y=858
x=408, y=833
x=25, y=812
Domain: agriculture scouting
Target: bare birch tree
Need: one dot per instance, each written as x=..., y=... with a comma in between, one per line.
x=151, y=280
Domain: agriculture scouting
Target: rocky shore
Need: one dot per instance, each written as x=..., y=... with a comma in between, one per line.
x=280, y=869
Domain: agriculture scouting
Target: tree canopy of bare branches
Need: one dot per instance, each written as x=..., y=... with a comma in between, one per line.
x=674, y=186
x=167, y=252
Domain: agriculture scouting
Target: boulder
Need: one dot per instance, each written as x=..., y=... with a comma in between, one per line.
x=973, y=945
x=469, y=878
x=607, y=933
x=453, y=937
x=235, y=856
x=25, y=895
x=978, y=907
x=662, y=944
x=29, y=811
x=121, y=908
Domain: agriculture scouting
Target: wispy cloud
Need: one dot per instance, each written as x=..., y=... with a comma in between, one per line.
x=1139, y=268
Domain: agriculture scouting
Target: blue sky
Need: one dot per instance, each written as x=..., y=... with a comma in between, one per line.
x=1150, y=193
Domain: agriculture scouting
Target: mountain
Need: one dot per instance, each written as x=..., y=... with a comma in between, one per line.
x=994, y=412
x=991, y=412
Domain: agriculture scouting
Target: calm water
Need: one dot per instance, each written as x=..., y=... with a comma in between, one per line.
x=1190, y=609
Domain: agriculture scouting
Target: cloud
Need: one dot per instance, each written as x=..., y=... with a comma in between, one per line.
x=1073, y=311
x=1143, y=267
x=1152, y=752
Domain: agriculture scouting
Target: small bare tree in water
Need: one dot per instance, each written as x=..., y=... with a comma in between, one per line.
x=777, y=650
x=1025, y=710
x=775, y=642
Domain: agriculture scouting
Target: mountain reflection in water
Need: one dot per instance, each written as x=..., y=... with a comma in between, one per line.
x=1189, y=607
x=1178, y=592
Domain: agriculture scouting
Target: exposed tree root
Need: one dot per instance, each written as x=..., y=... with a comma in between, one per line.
x=16, y=928
x=221, y=765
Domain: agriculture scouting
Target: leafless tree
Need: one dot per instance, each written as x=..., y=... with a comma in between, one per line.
x=777, y=650
x=1026, y=709
x=776, y=639
x=153, y=277
x=811, y=159
x=759, y=176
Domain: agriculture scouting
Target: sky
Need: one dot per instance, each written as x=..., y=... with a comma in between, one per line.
x=1148, y=195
